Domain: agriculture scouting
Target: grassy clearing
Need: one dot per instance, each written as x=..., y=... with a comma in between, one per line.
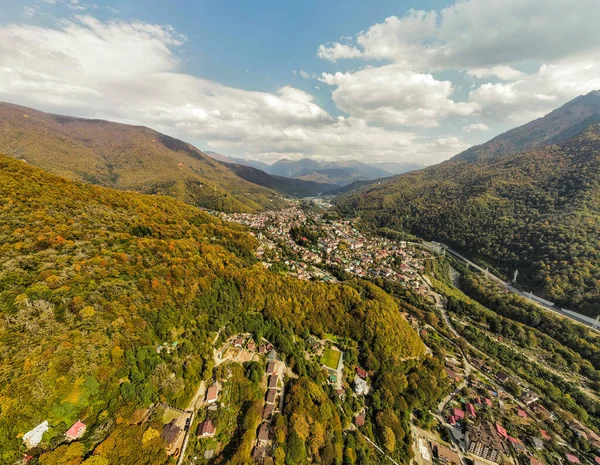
x=331, y=358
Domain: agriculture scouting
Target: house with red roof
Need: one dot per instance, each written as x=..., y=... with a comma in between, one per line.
x=521, y=413
x=360, y=372
x=458, y=414
x=501, y=431
x=212, y=394
x=488, y=402
x=471, y=410
x=572, y=458
x=545, y=435
x=75, y=431
x=360, y=419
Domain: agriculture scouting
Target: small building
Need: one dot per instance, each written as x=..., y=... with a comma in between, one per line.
x=360, y=419
x=470, y=410
x=263, y=433
x=209, y=454
x=170, y=434
x=206, y=429
x=268, y=411
x=259, y=453
x=75, y=431
x=545, y=435
x=534, y=461
x=501, y=431
x=458, y=414
x=34, y=437
x=271, y=393
x=530, y=397
x=273, y=382
x=537, y=443
x=238, y=341
x=361, y=388
x=572, y=458
x=522, y=413
x=251, y=346
x=502, y=377
x=447, y=456
x=361, y=373
x=212, y=394
x=271, y=367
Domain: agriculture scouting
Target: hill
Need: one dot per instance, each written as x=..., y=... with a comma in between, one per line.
x=289, y=186
x=537, y=211
x=94, y=280
x=559, y=125
x=126, y=157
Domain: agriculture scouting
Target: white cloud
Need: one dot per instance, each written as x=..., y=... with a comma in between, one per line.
x=476, y=127
x=391, y=95
x=505, y=73
x=479, y=34
x=129, y=72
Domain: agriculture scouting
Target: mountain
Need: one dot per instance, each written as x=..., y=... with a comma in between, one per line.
x=126, y=157
x=556, y=126
x=397, y=167
x=94, y=281
x=536, y=211
x=337, y=172
x=239, y=161
x=289, y=186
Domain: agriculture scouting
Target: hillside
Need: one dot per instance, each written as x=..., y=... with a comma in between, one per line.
x=558, y=125
x=94, y=279
x=538, y=212
x=290, y=186
x=126, y=157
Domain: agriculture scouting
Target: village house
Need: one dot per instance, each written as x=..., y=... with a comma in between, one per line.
x=268, y=411
x=34, y=437
x=271, y=393
x=212, y=394
x=530, y=397
x=206, y=429
x=75, y=431
x=263, y=434
x=361, y=388
x=361, y=373
x=271, y=367
x=572, y=458
x=170, y=433
x=273, y=382
x=447, y=456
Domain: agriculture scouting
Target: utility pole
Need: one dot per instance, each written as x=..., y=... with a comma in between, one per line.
x=515, y=276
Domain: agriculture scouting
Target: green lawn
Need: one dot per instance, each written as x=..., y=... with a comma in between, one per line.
x=331, y=358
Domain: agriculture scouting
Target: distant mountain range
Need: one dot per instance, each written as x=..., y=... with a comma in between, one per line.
x=536, y=211
x=561, y=124
x=339, y=173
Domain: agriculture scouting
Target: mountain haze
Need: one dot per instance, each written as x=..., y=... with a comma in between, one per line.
x=126, y=157
x=556, y=126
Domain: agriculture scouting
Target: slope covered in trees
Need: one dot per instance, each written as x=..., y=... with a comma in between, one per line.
x=126, y=157
x=94, y=279
x=538, y=212
x=557, y=126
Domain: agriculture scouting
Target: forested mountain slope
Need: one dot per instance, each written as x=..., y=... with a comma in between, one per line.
x=94, y=279
x=538, y=212
x=126, y=157
x=558, y=125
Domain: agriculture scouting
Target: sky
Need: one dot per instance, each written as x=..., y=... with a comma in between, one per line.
x=378, y=81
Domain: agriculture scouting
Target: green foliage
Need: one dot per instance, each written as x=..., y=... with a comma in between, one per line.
x=538, y=212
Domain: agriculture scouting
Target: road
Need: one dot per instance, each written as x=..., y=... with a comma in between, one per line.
x=559, y=311
x=192, y=406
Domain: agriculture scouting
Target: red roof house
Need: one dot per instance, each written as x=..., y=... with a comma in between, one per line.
x=471, y=410
x=572, y=459
x=459, y=414
x=360, y=372
x=501, y=431
x=212, y=394
x=522, y=413
x=75, y=431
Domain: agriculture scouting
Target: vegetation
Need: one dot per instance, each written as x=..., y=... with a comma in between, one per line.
x=95, y=280
x=127, y=157
x=538, y=212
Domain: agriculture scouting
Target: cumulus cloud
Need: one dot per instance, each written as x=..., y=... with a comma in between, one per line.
x=130, y=72
x=479, y=33
x=392, y=95
x=476, y=127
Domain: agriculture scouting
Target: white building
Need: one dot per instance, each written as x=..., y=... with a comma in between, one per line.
x=34, y=437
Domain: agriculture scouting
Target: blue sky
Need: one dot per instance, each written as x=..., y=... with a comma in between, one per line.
x=378, y=81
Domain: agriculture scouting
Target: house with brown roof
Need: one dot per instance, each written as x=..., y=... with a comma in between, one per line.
x=273, y=382
x=268, y=411
x=271, y=393
x=170, y=433
x=271, y=366
x=206, y=429
x=212, y=394
x=360, y=419
x=447, y=456
x=263, y=433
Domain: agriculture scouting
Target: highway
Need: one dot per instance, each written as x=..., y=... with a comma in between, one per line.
x=438, y=247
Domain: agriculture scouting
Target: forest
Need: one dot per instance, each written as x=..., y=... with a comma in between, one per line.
x=537, y=212
x=94, y=280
